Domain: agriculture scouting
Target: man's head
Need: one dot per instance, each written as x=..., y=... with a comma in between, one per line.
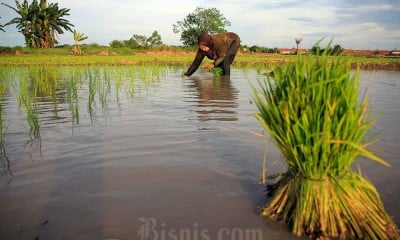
x=204, y=42
x=204, y=48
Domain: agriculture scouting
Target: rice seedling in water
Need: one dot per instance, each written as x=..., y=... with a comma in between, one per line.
x=28, y=100
x=44, y=81
x=92, y=93
x=118, y=82
x=217, y=72
x=40, y=83
x=311, y=110
x=73, y=98
x=104, y=87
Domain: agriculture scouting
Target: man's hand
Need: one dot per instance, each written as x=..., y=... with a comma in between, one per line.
x=208, y=68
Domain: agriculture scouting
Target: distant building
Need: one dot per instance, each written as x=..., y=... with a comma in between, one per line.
x=364, y=52
x=291, y=51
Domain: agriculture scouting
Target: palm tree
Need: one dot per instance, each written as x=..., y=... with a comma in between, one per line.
x=56, y=24
x=78, y=37
x=298, y=41
x=23, y=22
x=40, y=22
x=1, y=27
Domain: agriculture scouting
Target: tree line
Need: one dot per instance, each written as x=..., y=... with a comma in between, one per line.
x=139, y=41
x=40, y=22
x=335, y=50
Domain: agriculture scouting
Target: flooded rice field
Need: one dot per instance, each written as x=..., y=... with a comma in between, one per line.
x=144, y=153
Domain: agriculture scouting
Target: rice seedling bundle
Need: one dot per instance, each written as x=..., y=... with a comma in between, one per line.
x=313, y=112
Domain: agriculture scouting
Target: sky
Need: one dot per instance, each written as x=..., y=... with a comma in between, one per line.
x=354, y=24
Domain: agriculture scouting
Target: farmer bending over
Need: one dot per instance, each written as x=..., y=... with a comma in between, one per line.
x=221, y=48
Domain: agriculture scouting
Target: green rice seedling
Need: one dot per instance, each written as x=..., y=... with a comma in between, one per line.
x=92, y=92
x=45, y=81
x=73, y=98
x=119, y=77
x=33, y=119
x=28, y=100
x=143, y=76
x=5, y=81
x=131, y=75
x=311, y=110
x=104, y=87
x=217, y=72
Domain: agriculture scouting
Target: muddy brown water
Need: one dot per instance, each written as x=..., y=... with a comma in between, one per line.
x=175, y=160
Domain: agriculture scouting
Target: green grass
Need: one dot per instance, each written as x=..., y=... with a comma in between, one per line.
x=311, y=109
x=92, y=60
x=170, y=56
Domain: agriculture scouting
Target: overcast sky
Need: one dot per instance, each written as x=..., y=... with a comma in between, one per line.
x=367, y=24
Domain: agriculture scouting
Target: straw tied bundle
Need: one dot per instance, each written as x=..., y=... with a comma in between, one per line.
x=311, y=109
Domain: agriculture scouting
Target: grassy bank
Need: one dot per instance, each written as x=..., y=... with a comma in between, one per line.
x=165, y=56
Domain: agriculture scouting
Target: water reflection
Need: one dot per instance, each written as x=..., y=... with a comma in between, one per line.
x=5, y=162
x=139, y=147
x=215, y=98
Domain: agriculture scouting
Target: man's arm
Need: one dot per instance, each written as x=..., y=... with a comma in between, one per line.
x=219, y=60
x=196, y=63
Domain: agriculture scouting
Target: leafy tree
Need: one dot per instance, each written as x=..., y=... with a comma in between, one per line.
x=138, y=41
x=154, y=40
x=117, y=44
x=23, y=22
x=201, y=20
x=316, y=50
x=40, y=22
x=336, y=50
x=130, y=43
x=259, y=49
x=253, y=48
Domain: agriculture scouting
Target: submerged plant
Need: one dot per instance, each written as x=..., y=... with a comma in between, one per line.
x=312, y=111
